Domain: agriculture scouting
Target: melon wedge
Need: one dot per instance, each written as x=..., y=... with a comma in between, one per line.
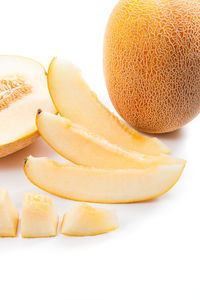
x=9, y=215
x=23, y=89
x=39, y=218
x=101, y=185
x=75, y=101
x=84, y=220
x=81, y=147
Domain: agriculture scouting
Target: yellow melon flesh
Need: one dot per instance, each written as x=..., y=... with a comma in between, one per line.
x=9, y=216
x=101, y=185
x=23, y=89
x=85, y=220
x=84, y=148
x=39, y=218
x=75, y=101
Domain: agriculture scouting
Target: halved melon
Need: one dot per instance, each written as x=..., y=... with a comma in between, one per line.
x=9, y=215
x=81, y=147
x=75, y=101
x=84, y=220
x=39, y=217
x=101, y=185
x=23, y=89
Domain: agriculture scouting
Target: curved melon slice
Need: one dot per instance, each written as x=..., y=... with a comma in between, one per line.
x=23, y=89
x=81, y=147
x=101, y=185
x=39, y=217
x=84, y=220
x=9, y=216
x=75, y=101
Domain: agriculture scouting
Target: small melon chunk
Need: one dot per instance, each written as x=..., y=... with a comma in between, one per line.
x=9, y=215
x=85, y=220
x=39, y=218
x=101, y=185
x=75, y=101
x=23, y=90
x=82, y=147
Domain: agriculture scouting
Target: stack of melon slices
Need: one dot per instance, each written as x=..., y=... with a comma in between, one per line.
x=115, y=163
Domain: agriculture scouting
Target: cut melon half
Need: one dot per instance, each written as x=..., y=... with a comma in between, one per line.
x=81, y=147
x=39, y=217
x=75, y=101
x=101, y=185
x=84, y=220
x=9, y=215
x=23, y=89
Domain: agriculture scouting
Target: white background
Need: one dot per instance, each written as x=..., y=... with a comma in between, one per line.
x=156, y=252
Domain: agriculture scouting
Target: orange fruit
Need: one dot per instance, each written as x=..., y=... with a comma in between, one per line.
x=152, y=62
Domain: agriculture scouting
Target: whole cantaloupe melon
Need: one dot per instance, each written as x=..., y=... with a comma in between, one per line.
x=152, y=62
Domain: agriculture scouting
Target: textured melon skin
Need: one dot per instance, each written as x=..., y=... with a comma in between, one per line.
x=152, y=62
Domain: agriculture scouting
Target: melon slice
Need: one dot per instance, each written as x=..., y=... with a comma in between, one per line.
x=101, y=185
x=81, y=147
x=39, y=218
x=84, y=220
x=75, y=101
x=23, y=89
x=9, y=216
